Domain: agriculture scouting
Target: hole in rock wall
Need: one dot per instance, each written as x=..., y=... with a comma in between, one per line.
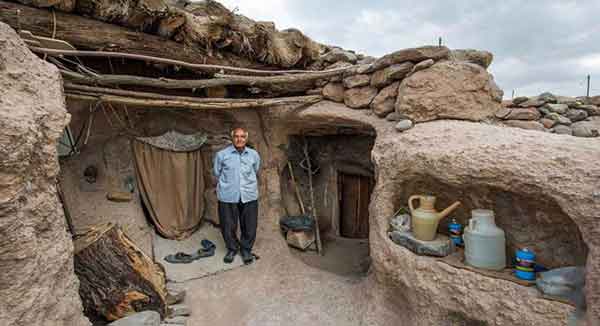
x=342, y=174
x=537, y=223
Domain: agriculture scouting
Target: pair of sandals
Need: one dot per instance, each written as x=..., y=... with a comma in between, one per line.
x=207, y=250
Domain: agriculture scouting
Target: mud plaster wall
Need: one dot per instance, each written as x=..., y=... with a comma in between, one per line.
x=109, y=149
x=332, y=154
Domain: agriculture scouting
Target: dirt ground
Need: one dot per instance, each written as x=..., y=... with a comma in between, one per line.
x=286, y=287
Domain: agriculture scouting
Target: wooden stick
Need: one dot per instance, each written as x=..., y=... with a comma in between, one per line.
x=313, y=209
x=192, y=66
x=220, y=80
x=296, y=190
x=185, y=104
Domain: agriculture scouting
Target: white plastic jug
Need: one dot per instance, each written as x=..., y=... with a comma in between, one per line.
x=484, y=241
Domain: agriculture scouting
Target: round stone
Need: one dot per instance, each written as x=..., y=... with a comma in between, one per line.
x=403, y=125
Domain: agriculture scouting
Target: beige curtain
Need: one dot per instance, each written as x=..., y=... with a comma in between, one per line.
x=172, y=188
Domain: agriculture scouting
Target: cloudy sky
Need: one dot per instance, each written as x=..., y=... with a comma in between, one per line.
x=537, y=45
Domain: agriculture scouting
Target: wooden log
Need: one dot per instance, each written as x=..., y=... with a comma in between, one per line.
x=169, y=102
x=220, y=80
x=92, y=34
x=116, y=278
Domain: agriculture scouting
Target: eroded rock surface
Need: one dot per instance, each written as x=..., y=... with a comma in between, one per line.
x=37, y=282
x=448, y=90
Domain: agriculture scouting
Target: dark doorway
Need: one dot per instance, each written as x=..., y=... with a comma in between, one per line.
x=355, y=194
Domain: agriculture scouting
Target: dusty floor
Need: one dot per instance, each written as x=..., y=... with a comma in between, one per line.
x=285, y=287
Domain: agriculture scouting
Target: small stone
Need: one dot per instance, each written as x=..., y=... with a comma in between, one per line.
x=547, y=97
x=178, y=310
x=441, y=246
x=422, y=65
x=334, y=92
x=576, y=115
x=385, y=100
x=395, y=116
x=403, y=125
x=360, y=97
x=532, y=101
x=558, y=108
x=562, y=130
x=558, y=118
x=523, y=114
x=357, y=81
x=519, y=100
x=144, y=318
x=583, y=130
x=388, y=75
x=523, y=124
x=179, y=320
x=502, y=113
x=548, y=123
x=337, y=54
x=565, y=100
x=591, y=110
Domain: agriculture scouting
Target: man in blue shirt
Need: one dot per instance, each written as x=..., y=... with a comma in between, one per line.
x=236, y=167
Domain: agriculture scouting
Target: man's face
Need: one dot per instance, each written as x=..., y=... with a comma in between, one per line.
x=239, y=138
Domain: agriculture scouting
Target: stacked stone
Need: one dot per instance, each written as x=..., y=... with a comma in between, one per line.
x=377, y=84
x=576, y=116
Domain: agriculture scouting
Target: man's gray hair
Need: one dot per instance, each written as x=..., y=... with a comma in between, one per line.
x=239, y=128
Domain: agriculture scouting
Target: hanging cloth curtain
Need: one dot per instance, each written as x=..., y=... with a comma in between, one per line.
x=171, y=183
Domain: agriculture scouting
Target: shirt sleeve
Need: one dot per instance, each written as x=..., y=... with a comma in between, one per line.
x=217, y=165
x=257, y=163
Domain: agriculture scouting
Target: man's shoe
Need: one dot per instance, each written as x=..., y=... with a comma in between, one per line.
x=247, y=257
x=228, y=259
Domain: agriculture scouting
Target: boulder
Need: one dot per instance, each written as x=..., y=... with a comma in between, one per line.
x=334, y=91
x=523, y=114
x=565, y=100
x=548, y=123
x=448, y=90
x=37, y=281
x=558, y=118
x=385, y=100
x=388, y=75
x=503, y=112
x=395, y=116
x=592, y=110
x=530, y=125
x=519, y=100
x=403, y=125
x=532, y=101
x=588, y=128
x=482, y=58
x=558, y=108
x=315, y=91
x=576, y=115
x=414, y=55
x=144, y=318
x=562, y=130
x=595, y=100
x=441, y=246
x=547, y=97
x=422, y=65
x=337, y=54
x=360, y=97
x=356, y=81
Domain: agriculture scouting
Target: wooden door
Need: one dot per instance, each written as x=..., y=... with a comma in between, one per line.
x=355, y=194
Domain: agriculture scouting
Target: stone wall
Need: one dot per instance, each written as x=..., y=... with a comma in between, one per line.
x=37, y=282
x=576, y=116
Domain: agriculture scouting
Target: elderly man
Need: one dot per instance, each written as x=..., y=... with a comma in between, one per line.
x=236, y=167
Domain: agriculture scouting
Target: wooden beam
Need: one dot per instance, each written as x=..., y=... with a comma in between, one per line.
x=220, y=80
x=92, y=34
x=170, y=103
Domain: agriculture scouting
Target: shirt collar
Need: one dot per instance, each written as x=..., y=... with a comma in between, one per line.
x=234, y=150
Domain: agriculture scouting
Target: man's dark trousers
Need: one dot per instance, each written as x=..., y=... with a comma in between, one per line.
x=246, y=213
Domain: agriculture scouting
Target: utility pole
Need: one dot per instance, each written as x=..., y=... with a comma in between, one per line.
x=588, y=86
x=513, y=94
x=440, y=41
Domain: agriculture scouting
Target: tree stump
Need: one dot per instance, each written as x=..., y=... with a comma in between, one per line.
x=116, y=278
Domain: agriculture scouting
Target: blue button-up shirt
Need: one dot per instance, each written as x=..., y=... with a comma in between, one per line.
x=236, y=173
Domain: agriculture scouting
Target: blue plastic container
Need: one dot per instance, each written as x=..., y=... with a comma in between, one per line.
x=455, y=230
x=525, y=264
